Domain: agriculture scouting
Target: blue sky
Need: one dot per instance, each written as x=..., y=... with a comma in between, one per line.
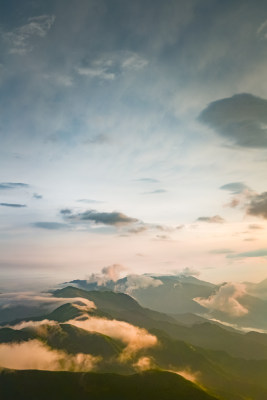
x=133, y=132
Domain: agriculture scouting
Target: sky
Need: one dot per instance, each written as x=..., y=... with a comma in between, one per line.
x=133, y=133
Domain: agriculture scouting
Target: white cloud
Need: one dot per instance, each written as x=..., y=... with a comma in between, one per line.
x=110, y=273
x=225, y=300
x=19, y=39
x=135, y=282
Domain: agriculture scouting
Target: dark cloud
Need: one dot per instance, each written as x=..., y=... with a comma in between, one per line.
x=12, y=185
x=66, y=211
x=258, y=205
x=37, y=196
x=106, y=218
x=235, y=187
x=216, y=219
x=49, y=225
x=14, y=205
x=241, y=118
x=255, y=253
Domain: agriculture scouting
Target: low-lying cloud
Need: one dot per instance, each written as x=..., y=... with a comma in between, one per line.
x=134, y=282
x=47, y=301
x=34, y=354
x=133, y=337
x=226, y=300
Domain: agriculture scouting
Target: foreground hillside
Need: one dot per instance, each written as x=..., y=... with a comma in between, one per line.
x=156, y=385
x=114, y=334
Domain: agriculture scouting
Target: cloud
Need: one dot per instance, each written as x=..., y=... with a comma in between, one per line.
x=188, y=271
x=258, y=205
x=157, y=191
x=107, y=218
x=147, y=180
x=19, y=39
x=98, y=139
x=221, y=251
x=216, y=219
x=34, y=354
x=90, y=201
x=12, y=185
x=262, y=30
x=110, y=65
x=66, y=211
x=14, y=205
x=144, y=364
x=255, y=226
x=135, y=282
x=133, y=337
x=110, y=273
x=138, y=229
x=29, y=299
x=37, y=196
x=187, y=374
x=225, y=300
x=255, y=253
x=235, y=187
x=100, y=72
x=242, y=119
x=50, y=225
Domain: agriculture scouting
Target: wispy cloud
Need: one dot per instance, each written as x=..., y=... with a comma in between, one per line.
x=12, y=185
x=13, y=205
x=20, y=39
x=254, y=253
x=50, y=225
x=216, y=219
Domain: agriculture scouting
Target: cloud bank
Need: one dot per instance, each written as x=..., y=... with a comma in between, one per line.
x=34, y=354
x=133, y=337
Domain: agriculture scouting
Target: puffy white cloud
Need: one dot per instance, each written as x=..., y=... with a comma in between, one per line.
x=226, y=300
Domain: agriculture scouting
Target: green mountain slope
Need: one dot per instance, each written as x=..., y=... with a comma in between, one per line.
x=156, y=385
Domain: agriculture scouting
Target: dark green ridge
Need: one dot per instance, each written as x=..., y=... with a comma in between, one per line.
x=44, y=385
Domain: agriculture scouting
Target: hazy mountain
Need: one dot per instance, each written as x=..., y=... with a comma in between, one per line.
x=174, y=294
